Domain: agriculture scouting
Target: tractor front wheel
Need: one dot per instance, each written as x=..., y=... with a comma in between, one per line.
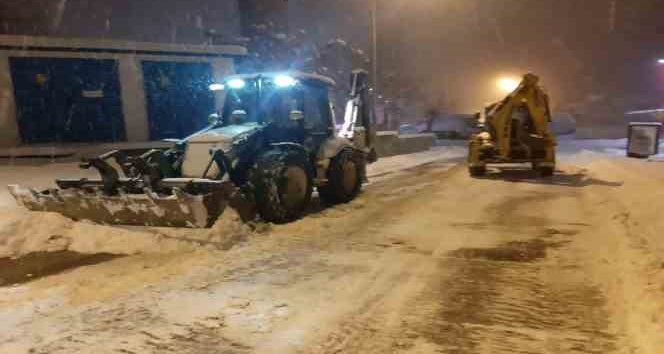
x=477, y=171
x=282, y=183
x=546, y=171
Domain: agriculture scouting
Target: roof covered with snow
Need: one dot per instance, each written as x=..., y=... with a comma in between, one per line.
x=8, y=42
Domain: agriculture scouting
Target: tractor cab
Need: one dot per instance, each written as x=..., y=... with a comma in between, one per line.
x=294, y=105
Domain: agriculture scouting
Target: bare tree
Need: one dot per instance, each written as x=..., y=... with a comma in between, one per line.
x=25, y=17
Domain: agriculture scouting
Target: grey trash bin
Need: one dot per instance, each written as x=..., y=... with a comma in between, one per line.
x=643, y=139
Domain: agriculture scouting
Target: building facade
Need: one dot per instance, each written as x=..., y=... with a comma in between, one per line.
x=55, y=90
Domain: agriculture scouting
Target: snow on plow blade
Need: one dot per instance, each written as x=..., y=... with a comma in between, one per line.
x=178, y=209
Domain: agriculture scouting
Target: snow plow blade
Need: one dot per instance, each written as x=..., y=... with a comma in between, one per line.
x=175, y=209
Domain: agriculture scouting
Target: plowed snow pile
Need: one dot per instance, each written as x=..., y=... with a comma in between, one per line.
x=23, y=232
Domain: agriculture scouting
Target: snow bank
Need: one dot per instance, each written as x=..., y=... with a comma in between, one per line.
x=23, y=232
x=37, y=176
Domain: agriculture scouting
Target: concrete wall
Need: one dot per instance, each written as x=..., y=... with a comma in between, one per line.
x=8, y=126
x=601, y=132
x=129, y=56
x=390, y=143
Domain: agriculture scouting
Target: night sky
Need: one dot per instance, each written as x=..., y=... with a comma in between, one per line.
x=444, y=52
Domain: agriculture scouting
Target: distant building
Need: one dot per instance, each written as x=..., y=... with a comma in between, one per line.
x=56, y=90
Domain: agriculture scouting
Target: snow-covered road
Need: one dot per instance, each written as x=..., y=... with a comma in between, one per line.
x=426, y=260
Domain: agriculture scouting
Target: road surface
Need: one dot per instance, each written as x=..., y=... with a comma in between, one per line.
x=426, y=260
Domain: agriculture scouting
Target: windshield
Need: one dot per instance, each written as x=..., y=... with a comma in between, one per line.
x=265, y=105
x=241, y=100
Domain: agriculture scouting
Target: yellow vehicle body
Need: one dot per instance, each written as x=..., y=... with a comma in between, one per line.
x=515, y=130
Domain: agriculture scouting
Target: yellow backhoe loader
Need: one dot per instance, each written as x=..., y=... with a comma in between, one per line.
x=515, y=130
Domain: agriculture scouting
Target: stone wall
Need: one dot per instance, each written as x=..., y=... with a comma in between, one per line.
x=601, y=132
x=390, y=143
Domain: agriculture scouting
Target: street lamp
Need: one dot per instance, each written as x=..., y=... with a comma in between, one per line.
x=507, y=84
x=373, y=33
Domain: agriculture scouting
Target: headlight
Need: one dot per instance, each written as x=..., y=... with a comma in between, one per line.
x=284, y=81
x=236, y=83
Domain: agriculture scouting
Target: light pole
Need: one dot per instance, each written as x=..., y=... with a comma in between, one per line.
x=373, y=9
x=373, y=43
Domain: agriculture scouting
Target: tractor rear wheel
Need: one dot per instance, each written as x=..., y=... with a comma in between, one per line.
x=477, y=171
x=282, y=184
x=344, y=178
x=546, y=171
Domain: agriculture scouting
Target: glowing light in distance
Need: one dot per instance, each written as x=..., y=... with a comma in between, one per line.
x=507, y=84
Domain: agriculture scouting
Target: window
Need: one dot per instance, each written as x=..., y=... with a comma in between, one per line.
x=316, y=108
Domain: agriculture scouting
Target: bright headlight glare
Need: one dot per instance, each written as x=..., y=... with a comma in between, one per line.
x=236, y=83
x=508, y=84
x=217, y=87
x=284, y=81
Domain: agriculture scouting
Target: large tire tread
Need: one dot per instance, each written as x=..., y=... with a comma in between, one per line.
x=267, y=180
x=546, y=171
x=477, y=171
x=334, y=192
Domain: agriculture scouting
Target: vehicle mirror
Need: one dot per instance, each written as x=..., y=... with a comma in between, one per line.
x=213, y=118
x=296, y=115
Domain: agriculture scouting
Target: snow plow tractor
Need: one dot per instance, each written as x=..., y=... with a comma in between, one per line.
x=515, y=130
x=274, y=142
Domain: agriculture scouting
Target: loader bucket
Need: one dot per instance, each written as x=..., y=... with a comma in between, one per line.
x=178, y=209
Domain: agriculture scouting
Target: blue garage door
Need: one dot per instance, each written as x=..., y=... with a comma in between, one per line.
x=178, y=98
x=67, y=100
